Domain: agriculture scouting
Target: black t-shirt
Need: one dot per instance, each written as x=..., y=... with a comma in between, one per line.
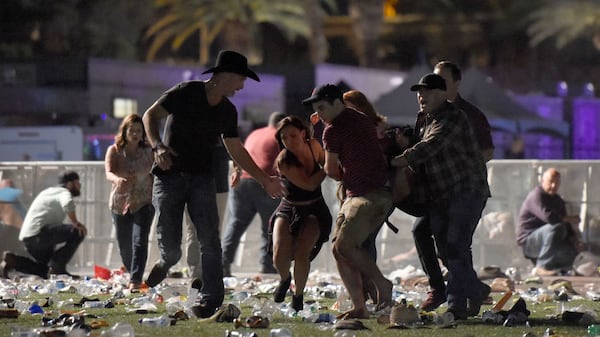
x=195, y=126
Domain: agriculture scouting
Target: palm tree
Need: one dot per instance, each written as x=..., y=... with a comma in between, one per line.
x=565, y=21
x=236, y=21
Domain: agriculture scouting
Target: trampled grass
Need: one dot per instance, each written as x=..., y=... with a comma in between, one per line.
x=540, y=321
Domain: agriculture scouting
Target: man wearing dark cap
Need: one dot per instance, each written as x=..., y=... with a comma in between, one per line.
x=43, y=229
x=422, y=235
x=353, y=157
x=197, y=114
x=456, y=189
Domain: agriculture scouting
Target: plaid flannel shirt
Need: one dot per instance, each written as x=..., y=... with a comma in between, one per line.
x=448, y=155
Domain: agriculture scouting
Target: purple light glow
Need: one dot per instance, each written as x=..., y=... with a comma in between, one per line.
x=562, y=89
x=586, y=128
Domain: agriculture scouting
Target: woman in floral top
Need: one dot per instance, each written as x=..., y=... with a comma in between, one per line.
x=128, y=164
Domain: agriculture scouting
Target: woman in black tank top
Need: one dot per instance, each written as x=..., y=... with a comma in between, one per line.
x=302, y=222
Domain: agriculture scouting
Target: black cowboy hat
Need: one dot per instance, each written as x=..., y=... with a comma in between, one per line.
x=232, y=62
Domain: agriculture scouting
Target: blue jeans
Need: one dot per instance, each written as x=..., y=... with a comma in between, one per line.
x=453, y=222
x=132, y=236
x=551, y=246
x=244, y=201
x=172, y=191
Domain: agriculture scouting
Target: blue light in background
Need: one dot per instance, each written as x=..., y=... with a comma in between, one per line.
x=562, y=89
x=588, y=90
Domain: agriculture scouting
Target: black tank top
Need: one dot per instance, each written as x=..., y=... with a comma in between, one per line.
x=295, y=193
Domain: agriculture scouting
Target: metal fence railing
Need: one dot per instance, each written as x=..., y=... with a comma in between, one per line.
x=494, y=243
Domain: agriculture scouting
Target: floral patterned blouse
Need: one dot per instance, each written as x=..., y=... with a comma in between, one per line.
x=138, y=192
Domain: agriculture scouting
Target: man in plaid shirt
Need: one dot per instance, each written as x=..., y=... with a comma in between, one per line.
x=455, y=181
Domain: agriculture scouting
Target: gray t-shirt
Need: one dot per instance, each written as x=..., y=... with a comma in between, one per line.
x=50, y=207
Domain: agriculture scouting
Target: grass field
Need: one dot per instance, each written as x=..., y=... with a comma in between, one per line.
x=540, y=320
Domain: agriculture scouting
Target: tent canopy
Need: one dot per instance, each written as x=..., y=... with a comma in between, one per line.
x=400, y=105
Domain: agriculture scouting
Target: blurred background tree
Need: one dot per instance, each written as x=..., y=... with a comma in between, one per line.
x=522, y=44
x=565, y=21
x=236, y=23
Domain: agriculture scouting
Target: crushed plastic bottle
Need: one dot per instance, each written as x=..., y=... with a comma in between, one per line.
x=155, y=322
x=234, y=333
x=77, y=332
x=593, y=330
x=21, y=306
x=592, y=295
x=169, y=291
x=192, y=295
x=280, y=332
x=514, y=274
x=443, y=319
x=266, y=308
x=344, y=333
x=305, y=315
x=175, y=304
x=120, y=329
x=323, y=318
x=23, y=290
x=343, y=299
x=19, y=331
x=93, y=304
x=230, y=282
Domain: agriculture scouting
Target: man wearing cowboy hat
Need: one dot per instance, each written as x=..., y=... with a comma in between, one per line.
x=197, y=113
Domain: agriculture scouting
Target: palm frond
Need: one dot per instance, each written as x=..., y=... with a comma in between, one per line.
x=565, y=21
x=181, y=18
x=184, y=34
x=161, y=24
x=159, y=40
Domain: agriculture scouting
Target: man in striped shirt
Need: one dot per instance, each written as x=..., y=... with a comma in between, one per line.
x=353, y=157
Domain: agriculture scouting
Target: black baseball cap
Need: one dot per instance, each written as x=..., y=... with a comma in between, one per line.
x=325, y=92
x=430, y=81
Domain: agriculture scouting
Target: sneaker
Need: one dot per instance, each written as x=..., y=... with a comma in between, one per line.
x=8, y=263
x=157, y=274
x=434, y=300
x=474, y=304
x=282, y=289
x=62, y=271
x=203, y=310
